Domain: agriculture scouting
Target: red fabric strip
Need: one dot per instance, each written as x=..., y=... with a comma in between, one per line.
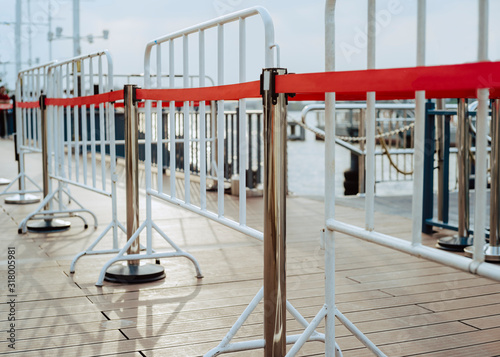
x=88, y=100
x=28, y=105
x=226, y=92
x=494, y=93
x=450, y=81
x=163, y=104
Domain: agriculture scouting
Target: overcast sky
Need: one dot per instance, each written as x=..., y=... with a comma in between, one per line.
x=299, y=28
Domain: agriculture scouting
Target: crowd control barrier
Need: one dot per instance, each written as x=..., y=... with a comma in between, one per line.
x=30, y=85
x=212, y=100
x=71, y=132
x=474, y=80
x=211, y=147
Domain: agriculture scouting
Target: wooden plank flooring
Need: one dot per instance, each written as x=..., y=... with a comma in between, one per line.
x=406, y=305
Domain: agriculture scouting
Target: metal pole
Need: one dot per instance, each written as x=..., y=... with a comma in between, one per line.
x=330, y=182
x=132, y=271
x=18, y=35
x=50, y=31
x=419, y=132
x=370, y=124
x=131, y=171
x=462, y=239
x=274, y=215
x=30, y=59
x=48, y=224
x=76, y=28
x=492, y=250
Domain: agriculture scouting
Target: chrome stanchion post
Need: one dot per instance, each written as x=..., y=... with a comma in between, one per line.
x=274, y=215
x=463, y=238
x=48, y=224
x=492, y=250
x=132, y=271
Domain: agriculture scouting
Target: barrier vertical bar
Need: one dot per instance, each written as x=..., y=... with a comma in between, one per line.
x=274, y=215
x=102, y=135
x=132, y=271
x=242, y=105
x=76, y=117
x=92, y=127
x=48, y=223
x=203, y=134
x=462, y=239
x=329, y=182
x=159, y=124
x=173, y=162
x=370, y=125
x=68, y=125
x=418, y=173
x=220, y=122
x=187, y=129
x=84, y=123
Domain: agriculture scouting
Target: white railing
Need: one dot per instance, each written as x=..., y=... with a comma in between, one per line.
x=216, y=137
x=31, y=83
x=78, y=135
x=414, y=247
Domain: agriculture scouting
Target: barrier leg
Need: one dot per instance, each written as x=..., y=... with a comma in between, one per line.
x=492, y=250
x=21, y=196
x=463, y=238
x=133, y=271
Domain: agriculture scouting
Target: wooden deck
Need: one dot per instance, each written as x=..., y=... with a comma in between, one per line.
x=406, y=305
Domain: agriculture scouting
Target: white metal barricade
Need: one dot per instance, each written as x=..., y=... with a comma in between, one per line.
x=31, y=83
x=187, y=135
x=414, y=247
x=79, y=125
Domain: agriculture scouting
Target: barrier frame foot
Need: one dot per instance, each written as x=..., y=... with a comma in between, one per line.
x=150, y=253
x=42, y=213
x=134, y=274
x=48, y=225
x=454, y=243
x=491, y=253
x=22, y=199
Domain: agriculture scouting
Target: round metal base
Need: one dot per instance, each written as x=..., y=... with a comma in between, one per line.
x=491, y=254
x=454, y=243
x=4, y=181
x=25, y=199
x=49, y=225
x=134, y=274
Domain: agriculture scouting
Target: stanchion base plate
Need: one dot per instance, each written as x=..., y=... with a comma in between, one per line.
x=25, y=199
x=4, y=181
x=454, y=243
x=134, y=274
x=50, y=225
x=491, y=254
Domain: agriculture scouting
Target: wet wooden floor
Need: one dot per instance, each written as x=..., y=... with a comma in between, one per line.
x=406, y=305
